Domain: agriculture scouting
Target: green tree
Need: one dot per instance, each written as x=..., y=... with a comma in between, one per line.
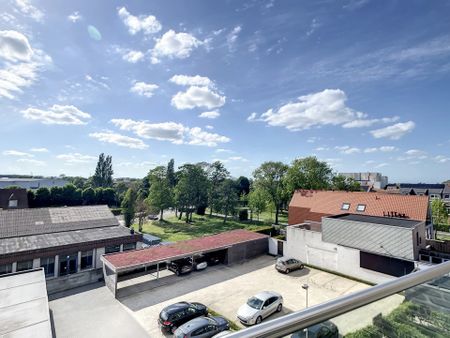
x=340, y=182
x=70, y=195
x=128, y=207
x=269, y=177
x=439, y=212
x=243, y=185
x=56, y=196
x=171, y=177
x=228, y=198
x=217, y=173
x=160, y=195
x=88, y=196
x=42, y=198
x=103, y=172
x=308, y=173
x=257, y=201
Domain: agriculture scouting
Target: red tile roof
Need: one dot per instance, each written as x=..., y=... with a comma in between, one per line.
x=156, y=254
x=308, y=205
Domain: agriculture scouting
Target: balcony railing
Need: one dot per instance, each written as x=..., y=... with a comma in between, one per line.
x=426, y=304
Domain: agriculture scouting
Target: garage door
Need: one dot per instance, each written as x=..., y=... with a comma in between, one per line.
x=322, y=258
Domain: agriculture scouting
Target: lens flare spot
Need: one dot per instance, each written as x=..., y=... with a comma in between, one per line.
x=94, y=33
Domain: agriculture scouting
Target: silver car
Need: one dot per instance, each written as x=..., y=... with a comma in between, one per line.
x=287, y=264
x=202, y=327
x=259, y=307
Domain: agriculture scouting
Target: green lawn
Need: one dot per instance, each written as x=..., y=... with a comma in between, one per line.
x=173, y=230
x=268, y=217
x=443, y=237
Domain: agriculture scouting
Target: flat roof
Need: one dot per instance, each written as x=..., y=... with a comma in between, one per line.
x=24, y=310
x=152, y=255
x=54, y=240
x=399, y=222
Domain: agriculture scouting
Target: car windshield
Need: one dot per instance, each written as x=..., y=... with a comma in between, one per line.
x=164, y=315
x=281, y=262
x=255, y=303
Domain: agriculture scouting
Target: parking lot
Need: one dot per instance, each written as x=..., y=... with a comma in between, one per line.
x=225, y=288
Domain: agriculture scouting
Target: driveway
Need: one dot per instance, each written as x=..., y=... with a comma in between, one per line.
x=225, y=288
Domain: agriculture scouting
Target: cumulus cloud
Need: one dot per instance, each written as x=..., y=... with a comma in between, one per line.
x=171, y=131
x=57, y=114
x=210, y=114
x=32, y=162
x=194, y=96
x=14, y=46
x=174, y=45
x=384, y=149
x=72, y=158
x=74, y=17
x=413, y=154
x=29, y=10
x=144, y=89
x=370, y=122
x=185, y=80
x=441, y=159
x=133, y=56
x=209, y=127
x=347, y=150
x=39, y=150
x=395, y=131
x=120, y=140
x=16, y=153
x=252, y=117
x=148, y=24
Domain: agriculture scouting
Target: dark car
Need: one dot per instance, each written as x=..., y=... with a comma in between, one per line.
x=323, y=330
x=202, y=327
x=175, y=315
x=181, y=266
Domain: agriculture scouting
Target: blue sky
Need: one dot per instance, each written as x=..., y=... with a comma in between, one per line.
x=361, y=84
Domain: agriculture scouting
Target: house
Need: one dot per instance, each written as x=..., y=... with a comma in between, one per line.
x=32, y=183
x=310, y=206
x=422, y=189
x=446, y=196
x=368, y=179
x=67, y=242
x=13, y=198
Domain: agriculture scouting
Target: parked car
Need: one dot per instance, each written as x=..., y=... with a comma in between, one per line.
x=222, y=334
x=259, y=307
x=202, y=327
x=152, y=217
x=323, y=330
x=199, y=262
x=175, y=315
x=181, y=266
x=286, y=264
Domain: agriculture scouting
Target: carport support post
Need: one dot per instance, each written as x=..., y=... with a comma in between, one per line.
x=157, y=270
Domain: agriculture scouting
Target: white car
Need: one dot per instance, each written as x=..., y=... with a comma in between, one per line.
x=259, y=307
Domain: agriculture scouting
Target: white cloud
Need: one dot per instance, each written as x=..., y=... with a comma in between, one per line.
x=222, y=150
x=312, y=139
x=197, y=80
x=97, y=82
x=441, y=159
x=359, y=123
x=147, y=24
x=57, y=114
x=313, y=27
x=133, y=56
x=32, y=161
x=209, y=127
x=395, y=131
x=39, y=150
x=210, y=114
x=171, y=131
x=72, y=158
x=384, y=149
x=381, y=165
x=29, y=10
x=322, y=149
x=413, y=154
x=232, y=38
x=347, y=150
x=144, y=89
x=174, y=45
x=313, y=110
x=237, y=158
x=194, y=96
x=252, y=117
x=74, y=17
x=16, y=153
x=120, y=140
x=14, y=46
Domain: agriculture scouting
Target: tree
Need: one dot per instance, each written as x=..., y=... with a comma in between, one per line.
x=88, y=196
x=171, y=178
x=128, y=206
x=42, y=197
x=340, y=182
x=257, y=201
x=228, y=198
x=160, y=195
x=56, y=196
x=105, y=196
x=439, y=212
x=142, y=211
x=269, y=177
x=69, y=195
x=308, y=173
x=243, y=185
x=217, y=173
x=103, y=172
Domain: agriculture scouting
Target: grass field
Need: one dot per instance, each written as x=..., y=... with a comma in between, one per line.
x=173, y=230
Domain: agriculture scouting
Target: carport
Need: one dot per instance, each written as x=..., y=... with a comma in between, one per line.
x=236, y=246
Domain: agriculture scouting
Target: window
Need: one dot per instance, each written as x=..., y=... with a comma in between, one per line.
x=446, y=196
x=12, y=204
x=25, y=265
x=86, y=259
x=417, y=238
x=345, y=206
x=5, y=268
x=112, y=248
x=361, y=207
x=48, y=263
x=129, y=246
x=68, y=264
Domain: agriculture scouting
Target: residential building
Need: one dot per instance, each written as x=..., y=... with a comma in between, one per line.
x=368, y=179
x=446, y=197
x=13, y=198
x=67, y=242
x=422, y=189
x=32, y=183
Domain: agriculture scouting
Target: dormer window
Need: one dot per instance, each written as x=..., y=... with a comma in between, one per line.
x=361, y=207
x=12, y=204
x=345, y=206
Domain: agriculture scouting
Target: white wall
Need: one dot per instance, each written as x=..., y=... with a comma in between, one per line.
x=273, y=246
x=308, y=247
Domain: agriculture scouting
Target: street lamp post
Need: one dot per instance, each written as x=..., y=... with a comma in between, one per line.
x=306, y=287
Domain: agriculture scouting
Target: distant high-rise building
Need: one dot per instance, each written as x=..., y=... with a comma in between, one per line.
x=368, y=179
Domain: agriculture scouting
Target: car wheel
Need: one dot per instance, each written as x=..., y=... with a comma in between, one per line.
x=302, y=267
x=177, y=272
x=258, y=320
x=280, y=307
x=288, y=270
